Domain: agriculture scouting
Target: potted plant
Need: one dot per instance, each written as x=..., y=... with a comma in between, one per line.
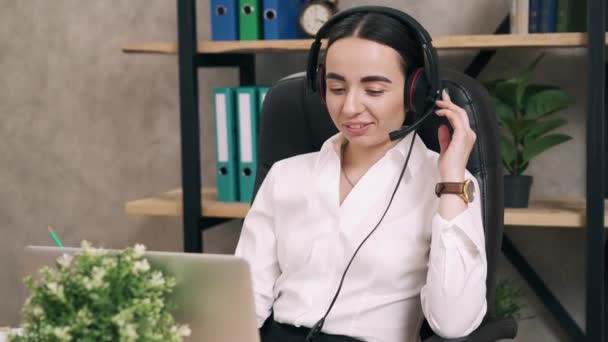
x=508, y=300
x=100, y=295
x=526, y=118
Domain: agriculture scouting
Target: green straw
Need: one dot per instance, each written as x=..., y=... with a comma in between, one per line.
x=55, y=238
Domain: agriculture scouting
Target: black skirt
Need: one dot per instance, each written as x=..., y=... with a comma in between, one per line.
x=273, y=331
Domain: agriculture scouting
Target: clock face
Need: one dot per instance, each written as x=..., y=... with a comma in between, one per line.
x=313, y=17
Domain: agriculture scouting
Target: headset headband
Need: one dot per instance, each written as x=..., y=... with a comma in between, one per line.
x=430, y=55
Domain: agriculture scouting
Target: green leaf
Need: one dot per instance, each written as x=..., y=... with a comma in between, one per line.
x=543, y=128
x=509, y=153
x=521, y=168
x=546, y=102
x=491, y=86
x=537, y=146
x=524, y=80
x=521, y=128
x=533, y=89
x=508, y=300
x=506, y=92
x=504, y=112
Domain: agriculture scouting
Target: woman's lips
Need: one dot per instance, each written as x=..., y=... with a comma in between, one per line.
x=357, y=129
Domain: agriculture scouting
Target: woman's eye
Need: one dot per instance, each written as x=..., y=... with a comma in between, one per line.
x=375, y=92
x=336, y=90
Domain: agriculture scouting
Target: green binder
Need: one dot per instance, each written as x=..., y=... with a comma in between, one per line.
x=247, y=104
x=250, y=20
x=226, y=142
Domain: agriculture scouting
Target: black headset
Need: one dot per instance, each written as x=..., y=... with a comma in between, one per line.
x=422, y=84
x=422, y=89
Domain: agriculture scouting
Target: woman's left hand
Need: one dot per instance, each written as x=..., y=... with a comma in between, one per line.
x=455, y=150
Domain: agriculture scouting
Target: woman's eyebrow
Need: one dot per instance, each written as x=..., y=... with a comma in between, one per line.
x=366, y=79
x=334, y=76
x=375, y=78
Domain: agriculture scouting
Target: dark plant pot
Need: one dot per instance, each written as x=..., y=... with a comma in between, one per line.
x=517, y=191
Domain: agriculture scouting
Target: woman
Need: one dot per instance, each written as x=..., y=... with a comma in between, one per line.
x=426, y=258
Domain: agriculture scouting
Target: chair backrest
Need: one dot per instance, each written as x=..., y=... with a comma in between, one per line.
x=295, y=121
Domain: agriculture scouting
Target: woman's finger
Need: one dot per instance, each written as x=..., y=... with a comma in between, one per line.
x=447, y=103
x=454, y=118
x=443, y=135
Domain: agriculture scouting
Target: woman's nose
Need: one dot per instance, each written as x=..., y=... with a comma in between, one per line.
x=352, y=103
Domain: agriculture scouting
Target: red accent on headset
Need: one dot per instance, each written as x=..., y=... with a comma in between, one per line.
x=320, y=76
x=412, y=86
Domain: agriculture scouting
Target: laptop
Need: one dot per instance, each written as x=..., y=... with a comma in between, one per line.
x=213, y=294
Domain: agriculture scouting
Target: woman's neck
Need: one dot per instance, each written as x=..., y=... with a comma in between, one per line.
x=357, y=156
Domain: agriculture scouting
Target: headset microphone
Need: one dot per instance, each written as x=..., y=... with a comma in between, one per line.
x=405, y=130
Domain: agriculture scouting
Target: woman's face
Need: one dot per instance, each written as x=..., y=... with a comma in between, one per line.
x=365, y=87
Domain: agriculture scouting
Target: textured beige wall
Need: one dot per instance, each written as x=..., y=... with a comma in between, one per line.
x=86, y=128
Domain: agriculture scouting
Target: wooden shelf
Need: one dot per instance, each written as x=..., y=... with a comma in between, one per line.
x=551, y=213
x=574, y=39
x=170, y=204
x=544, y=213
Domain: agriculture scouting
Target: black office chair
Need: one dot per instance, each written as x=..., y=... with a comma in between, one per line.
x=295, y=121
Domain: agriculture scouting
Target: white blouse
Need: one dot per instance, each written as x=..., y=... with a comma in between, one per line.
x=298, y=240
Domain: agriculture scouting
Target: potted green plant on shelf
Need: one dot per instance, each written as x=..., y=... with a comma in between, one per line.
x=525, y=114
x=100, y=295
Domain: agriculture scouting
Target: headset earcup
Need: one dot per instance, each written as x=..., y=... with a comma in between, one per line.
x=417, y=90
x=321, y=81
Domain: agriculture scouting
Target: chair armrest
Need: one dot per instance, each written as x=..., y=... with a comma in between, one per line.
x=489, y=331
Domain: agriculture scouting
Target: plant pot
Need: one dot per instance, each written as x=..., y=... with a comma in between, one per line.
x=517, y=191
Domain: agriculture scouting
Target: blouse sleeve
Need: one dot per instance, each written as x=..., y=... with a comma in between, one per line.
x=257, y=245
x=454, y=296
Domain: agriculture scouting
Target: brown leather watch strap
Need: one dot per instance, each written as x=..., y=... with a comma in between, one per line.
x=449, y=188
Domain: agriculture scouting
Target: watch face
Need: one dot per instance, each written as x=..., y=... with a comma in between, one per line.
x=470, y=190
x=313, y=17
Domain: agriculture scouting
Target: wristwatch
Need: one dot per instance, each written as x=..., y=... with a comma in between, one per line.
x=466, y=189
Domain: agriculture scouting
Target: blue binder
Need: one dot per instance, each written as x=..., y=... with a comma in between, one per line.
x=224, y=20
x=247, y=104
x=534, y=16
x=226, y=142
x=280, y=19
x=548, y=16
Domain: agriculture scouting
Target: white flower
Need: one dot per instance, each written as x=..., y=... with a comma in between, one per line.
x=62, y=333
x=184, y=330
x=96, y=280
x=108, y=263
x=56, y=290
x=139, y=250
x=157, y=280
x=181, y=331
x=129, y=332
x=85, y=245
x=141, y=266
x=119, y=320
x=37, y=311
x=65, y=260
x=97, y=251
x=87, y=249
x=98, y=274
x=84, y=316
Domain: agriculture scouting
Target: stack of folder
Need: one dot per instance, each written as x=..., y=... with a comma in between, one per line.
x=255, y=19
x=237, y=114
